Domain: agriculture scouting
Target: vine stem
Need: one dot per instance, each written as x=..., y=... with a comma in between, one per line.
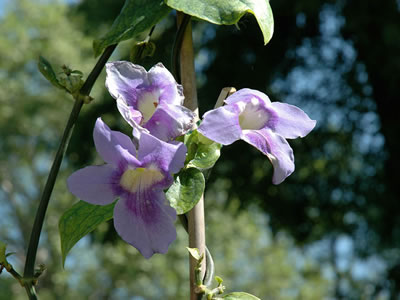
x=196, y=224
x=51, y=179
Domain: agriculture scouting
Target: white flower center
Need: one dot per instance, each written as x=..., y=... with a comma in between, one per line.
x=148, y=103
x=253, y=116
x=140, y=178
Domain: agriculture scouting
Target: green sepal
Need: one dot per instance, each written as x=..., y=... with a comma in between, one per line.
x=72, y=83
x=135, y=17
x=240, y=296
x=81, y=219
x=3, y=257
x=142, y=50
x=228, y=12
x=186, y=191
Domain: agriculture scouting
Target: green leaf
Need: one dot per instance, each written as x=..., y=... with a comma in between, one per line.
x=194, y=252
x=191, y=140
x=47, y=70
x=81, y=219
x=206, y=156
x=240, y=296
x=202, y=152
x=186, y=190
x=228, y=12
x=135, y=17
x=219, y=280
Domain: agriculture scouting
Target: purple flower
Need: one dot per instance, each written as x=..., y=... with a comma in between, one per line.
x=142, y=216
x=250, y=115
x=150, y=100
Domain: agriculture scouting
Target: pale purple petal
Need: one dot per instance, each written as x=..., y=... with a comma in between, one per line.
x=291, y=121
x=113, y=146
x=246, y=95
x=123, y=78
x=131, y=115
x=169, y=158
x=221, y=125
x=170, y=91
x=93, y=184
x=170, y=121
x=146, y=221
x=276, y=148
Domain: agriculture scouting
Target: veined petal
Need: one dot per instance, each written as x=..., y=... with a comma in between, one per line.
x=170, y=91
x=113, y=146
x=145, y=221
x=93, y=184
x=221, y=125
x=167, y=157
x=246, y=95
x=291, y=121
x=123, y=78
x=170, y=121
x=276, y=148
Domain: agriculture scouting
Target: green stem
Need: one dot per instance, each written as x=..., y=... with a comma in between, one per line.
x=176, y=49
x=44, y=201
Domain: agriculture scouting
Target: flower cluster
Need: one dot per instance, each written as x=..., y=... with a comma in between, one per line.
x=138, y=170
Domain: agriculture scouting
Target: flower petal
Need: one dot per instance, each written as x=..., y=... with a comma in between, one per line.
x=123, y=78
x=113, y=146
x=93, y=184
x=221, y=125
x=170, y=121
x=291, y=121
x=170, y=91
x=169, y=158
x=131, y=115
x=246, y=95
x=145, y=221
x=276, y=148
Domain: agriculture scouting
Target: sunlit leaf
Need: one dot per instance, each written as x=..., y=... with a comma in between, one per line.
x=186, y=190
x=194, y=252
x=135, y=17
x=202, y=152
x=206, y=156
x=240, y=296
x=218, y=279
x=228, y=12
x=81, y=219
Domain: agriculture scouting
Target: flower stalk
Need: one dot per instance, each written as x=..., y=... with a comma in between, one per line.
x=196, y=224
x=29, y=270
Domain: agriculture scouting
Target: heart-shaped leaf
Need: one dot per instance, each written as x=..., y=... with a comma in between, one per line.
x=81, y=219
x=186, y=190
x=228, y=12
